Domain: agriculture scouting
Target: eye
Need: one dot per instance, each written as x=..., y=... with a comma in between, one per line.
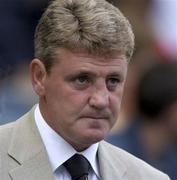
x=82, y=81
x=112, y=83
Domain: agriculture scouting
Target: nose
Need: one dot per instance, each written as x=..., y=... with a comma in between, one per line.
x=99, y=99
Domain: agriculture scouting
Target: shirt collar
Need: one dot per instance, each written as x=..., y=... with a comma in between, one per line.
x=58, y=149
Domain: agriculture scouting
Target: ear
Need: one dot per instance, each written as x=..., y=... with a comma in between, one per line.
x=38, y=76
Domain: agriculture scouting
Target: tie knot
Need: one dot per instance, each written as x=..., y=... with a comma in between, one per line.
x=77, y=166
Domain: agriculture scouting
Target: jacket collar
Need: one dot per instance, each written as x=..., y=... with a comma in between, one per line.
x=111, y=164
x=27, y=149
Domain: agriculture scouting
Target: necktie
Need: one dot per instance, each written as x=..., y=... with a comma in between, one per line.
x=78, y=167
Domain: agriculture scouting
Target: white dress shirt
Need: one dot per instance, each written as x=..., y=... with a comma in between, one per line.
x=59, y=150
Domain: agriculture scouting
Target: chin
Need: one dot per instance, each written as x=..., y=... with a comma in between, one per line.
x=95, y=136
x=89, y=138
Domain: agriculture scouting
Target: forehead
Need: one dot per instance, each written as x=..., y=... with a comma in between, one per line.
x=80, y=60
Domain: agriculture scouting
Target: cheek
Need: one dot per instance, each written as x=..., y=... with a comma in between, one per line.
x=120, y=94
x=74, y=100
x=115, y=105
x=115, y=102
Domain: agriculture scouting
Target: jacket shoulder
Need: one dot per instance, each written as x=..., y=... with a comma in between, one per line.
x=136, y=168
x=6, y=130
x=5, y=135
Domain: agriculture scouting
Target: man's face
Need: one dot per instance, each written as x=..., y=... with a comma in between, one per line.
x=82, y=96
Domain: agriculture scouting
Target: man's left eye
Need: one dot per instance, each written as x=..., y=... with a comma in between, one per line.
x=112, y=83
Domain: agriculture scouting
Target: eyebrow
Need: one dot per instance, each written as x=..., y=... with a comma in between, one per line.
x=83, y=72
x=92, y=74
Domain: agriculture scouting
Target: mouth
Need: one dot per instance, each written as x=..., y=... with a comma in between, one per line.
x=104, y=115
x=96, y=117
x=96, y=122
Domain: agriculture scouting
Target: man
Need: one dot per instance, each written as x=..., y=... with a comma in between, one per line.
x=82, y=49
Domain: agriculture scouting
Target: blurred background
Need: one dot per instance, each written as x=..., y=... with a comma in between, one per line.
x=18, y=20
x=147, y=125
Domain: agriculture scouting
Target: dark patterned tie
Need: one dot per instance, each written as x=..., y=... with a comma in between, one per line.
x=78, y=167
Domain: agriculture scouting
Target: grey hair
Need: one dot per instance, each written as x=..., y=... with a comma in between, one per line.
x=95, y=26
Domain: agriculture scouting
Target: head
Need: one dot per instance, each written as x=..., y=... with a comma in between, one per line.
x=157, y=107
x=157, y=91
x=82, y=50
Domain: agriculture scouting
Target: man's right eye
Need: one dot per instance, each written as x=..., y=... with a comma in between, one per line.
x=81, y=81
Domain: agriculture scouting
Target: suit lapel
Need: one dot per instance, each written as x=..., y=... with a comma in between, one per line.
x=35, y=169
x=27, y=149
x=111, y=167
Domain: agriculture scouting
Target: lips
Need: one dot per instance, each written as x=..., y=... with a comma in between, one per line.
x=96, y=117
x=104, y=115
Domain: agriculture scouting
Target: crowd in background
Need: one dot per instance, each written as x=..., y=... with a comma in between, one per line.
x=151, y=138
x=18, y=20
